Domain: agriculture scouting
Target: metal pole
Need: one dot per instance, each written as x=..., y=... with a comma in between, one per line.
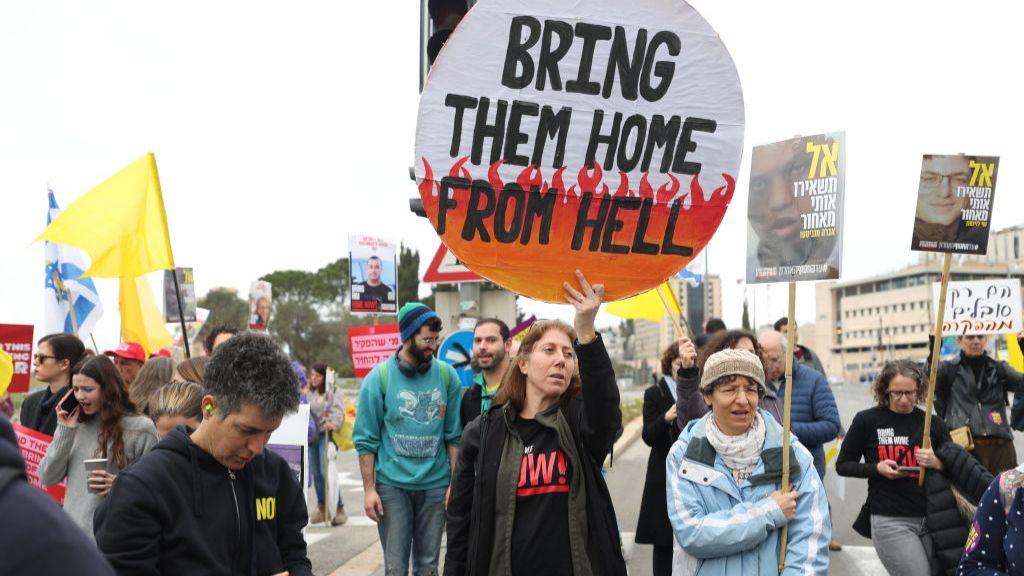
x=181, y=312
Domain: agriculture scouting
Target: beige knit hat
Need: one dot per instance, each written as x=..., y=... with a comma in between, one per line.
x=729, y=362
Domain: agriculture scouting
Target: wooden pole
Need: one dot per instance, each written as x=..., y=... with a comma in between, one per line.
x=671, y=314
x=328, y=504
x=786, y=412
x=61, y=289
x=926, y=441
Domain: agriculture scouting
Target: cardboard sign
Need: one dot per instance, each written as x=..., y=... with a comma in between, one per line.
x=374, y=275
x=981, y=307
x=371, y=345
x=187, y=286
x=600, y=135
x=954, y=203
x=795, y=209
x=33, y=447
x=261, y=299
x=289, y=442
x=16, y=340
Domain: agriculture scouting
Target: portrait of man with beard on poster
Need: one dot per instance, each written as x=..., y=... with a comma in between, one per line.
x=777, y=212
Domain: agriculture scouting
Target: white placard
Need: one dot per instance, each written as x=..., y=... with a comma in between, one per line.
x=981, y=307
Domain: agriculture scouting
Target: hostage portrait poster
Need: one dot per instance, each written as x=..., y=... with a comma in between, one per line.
x=954, y=203
x=374, y=275
x=795, y=209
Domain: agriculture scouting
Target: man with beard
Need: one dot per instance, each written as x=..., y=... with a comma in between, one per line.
x=491, y=344
x=774, y=212
x=407, y=435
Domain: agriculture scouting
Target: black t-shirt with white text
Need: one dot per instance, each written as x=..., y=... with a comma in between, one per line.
x=540, y=534
x=880, y=434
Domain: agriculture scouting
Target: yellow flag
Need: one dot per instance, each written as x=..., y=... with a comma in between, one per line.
x=1016, y=357
x=6, y=371
x=141, y=320
x=646, y=306
x=121, y=224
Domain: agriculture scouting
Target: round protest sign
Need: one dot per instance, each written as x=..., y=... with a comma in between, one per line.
x=601, y=135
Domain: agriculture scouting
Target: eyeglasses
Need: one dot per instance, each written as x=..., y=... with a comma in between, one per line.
x=897, y=394
x=40, y=358
x=431, y=340
x=732, y=391
x=934, y=179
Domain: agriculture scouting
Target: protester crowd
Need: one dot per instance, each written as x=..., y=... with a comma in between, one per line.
x=166, y=469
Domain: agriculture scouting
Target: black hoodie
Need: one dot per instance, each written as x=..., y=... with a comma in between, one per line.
x=35, y=527
x=174, y=511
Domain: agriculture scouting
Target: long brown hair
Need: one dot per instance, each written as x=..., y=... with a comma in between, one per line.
x=513, y=385
x=155, y=373
x=193, y=369
x=115, y=405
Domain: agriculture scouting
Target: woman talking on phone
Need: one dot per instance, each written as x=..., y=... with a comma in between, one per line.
x=98, y=434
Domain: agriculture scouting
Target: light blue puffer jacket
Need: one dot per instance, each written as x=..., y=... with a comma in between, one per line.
x=722, y=528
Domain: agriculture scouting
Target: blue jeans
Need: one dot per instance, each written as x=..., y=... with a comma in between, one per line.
x=317, y=462
x=413, y=523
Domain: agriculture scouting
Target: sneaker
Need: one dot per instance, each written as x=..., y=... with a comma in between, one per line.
x=339, y=517
x=835, y=546
x=318, y=517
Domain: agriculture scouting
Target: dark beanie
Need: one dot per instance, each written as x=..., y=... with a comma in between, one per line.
x=411, y=317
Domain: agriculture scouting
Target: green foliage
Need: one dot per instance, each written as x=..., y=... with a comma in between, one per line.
x=746, y=317
x=408, y=275
x=226, y=308
x=324, y=289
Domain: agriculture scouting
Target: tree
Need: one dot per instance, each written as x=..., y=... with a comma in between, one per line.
x=226, y=309
x=408, y=275
x=324, y=289
x=746, y=317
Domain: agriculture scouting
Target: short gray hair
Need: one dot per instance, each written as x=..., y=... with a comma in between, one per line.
x=251, y=369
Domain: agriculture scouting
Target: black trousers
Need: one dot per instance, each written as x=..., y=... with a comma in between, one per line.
x=662, y=561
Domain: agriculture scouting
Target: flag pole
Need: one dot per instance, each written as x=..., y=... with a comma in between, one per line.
x=926, y=441
x=61, y=289
x=786, y=413
x=181, y=312
x=675, y=317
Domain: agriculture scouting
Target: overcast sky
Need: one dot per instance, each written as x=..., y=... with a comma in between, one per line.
x=280, y=129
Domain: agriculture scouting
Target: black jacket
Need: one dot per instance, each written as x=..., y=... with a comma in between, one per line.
x=470, y=406
x=962, y=401
x=39, y=538
x=653, y=526
x=174, y=512
x=41, y=415
x=594, y=420
x=947, y=528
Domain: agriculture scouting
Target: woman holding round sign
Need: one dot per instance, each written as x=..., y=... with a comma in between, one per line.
x=725, y=500
x=98, y=435
x=527, y=496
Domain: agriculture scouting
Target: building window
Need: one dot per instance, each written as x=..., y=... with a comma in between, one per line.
x=1016, y=247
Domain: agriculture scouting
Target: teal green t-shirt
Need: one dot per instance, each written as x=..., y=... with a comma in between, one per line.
x=410, y=428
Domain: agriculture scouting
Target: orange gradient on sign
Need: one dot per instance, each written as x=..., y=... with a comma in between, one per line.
x=530, y=235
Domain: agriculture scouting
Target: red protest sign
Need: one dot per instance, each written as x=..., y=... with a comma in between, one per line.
x=16, y=340
x=371, y=345
x=33, y=447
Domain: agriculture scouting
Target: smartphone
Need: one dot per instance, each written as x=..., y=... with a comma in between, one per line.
x=69, y=403
x=909, y=468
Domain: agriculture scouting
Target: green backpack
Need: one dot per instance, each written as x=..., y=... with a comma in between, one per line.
x=382, y=373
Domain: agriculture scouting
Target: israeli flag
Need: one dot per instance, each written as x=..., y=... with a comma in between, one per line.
x=692, y=278
x=64, y=265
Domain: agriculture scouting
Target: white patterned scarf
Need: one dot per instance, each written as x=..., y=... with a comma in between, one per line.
x=740, y=453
